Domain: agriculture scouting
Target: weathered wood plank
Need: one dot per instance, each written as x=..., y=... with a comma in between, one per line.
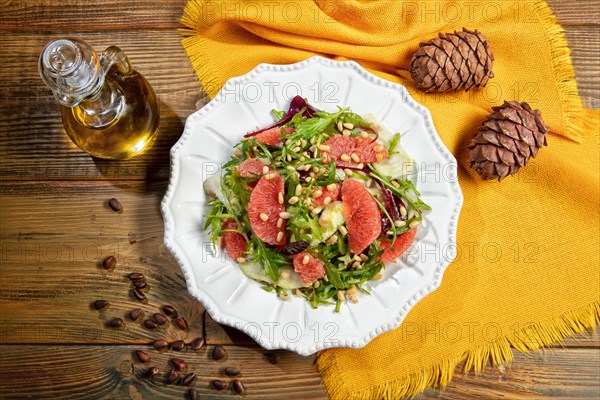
x=559, y=374
x=34, y=146
x=584, y=43
x=55, y=235
x=112, y=372
x=85, y=15
x=96, y=372
x=113, y=14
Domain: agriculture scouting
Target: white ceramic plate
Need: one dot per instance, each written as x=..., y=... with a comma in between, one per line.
x=230, y=297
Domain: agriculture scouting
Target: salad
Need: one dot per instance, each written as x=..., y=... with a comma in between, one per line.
x=315, y=204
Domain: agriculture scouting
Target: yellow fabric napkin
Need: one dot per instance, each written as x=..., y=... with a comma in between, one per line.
x=528, y=270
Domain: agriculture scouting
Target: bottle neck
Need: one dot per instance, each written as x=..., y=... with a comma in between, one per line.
x=103, y=107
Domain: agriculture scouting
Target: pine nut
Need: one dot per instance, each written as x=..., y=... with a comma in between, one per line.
x=348, y=125
x=378, y=148
x=345, y=157
x=290, y=168
x=403, y=211
x=288, y=157
x=355, y=157
x=271, y=175
x=265, y=170
x=303, y=142
x=340, y=295
x=390, y=233
x=331, y=186
x=313, y=140
x=324, y=147
x=279, y=236
x=340, y=126
x=414, y=224
x=316, y=210
x=316, y=284
x=395, y=184
x=284, y=274
x=237, y=152
x=298, y=189
x=264, y=217
x=348, y=172
x=346, y=132
x=399, y=224
x=343, y=230
x=411, y=214
x=285, y=215
x=357, y=265
x=297, y=292
x=364, y=135
x=293, y=200
x=280, y=198
x=364, y=257
x=305, y=259
x=332, y=239
x=279, y=222
x=377, y=277
x=317, y=193
x=327, y=200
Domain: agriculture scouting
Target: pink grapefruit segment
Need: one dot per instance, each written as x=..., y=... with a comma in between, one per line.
x=311, y=270
x=272, y=136
x=365, y=150
x=234, y=243
x=264, y=202
x=332, y=194
x=399, y=247
x=361, y=214
x=252, y=168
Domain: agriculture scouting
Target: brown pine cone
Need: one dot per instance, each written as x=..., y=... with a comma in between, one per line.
x=454, y=61
x=509, y=136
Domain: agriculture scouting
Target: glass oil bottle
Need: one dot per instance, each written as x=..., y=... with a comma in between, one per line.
x=109, y=110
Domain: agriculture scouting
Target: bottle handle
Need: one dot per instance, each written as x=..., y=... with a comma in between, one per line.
x=113, y=55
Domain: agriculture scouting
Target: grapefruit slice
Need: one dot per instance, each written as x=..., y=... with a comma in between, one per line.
x=264, y=209
x=309, y=267
x=272, y=136
x=363, y=148
x=234, y=243
x=400, y=245
x=361, y=214
x=252, y=168
x=333, y=195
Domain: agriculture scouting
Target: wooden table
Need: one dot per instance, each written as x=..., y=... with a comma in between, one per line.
x=56, y=228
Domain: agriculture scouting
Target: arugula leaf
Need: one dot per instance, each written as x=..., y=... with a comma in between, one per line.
x=334, y=276
x=393, y=144
x=278, y=114
x=355, y=119
x=314, y=126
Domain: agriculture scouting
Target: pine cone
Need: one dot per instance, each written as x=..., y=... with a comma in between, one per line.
x=509, y=136
x=455, y=61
